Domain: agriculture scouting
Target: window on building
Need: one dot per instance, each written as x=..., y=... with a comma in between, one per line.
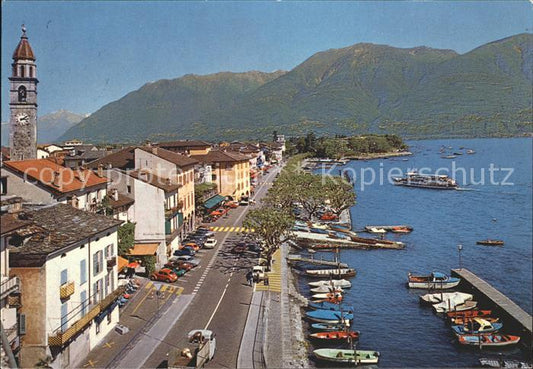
x=129, y=188
x=109, y=251
x=22, y=94
x=31, y=72
x=64, y=317
x=98, y=291
x=3, y=186
x=84, y=302
x=83, y=271
x=107, y=283
x=213, y=177
x=22, y=71
x=64, y=277
x=97, y=327
x=98, y=262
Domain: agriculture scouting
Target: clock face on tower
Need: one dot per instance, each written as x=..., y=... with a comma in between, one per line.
x=23, y=119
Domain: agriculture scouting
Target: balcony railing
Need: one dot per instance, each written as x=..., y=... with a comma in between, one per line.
x=66, y=290
x=111, y=262
x=59, y=338
x=9, y=285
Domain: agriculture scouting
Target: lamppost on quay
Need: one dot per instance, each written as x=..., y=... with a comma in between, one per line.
x=459, y=249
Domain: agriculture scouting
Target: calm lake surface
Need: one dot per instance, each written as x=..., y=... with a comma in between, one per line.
x=386, y=312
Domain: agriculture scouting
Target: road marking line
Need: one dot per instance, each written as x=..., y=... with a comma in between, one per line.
x=109, y=344
x=140, y=302
x=90, y=363
x=179, y=291
x=216, y=308
x=148, y=285
x=163, y=288
x=232, y=229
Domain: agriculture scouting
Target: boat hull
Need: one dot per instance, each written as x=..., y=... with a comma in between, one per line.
x=325, y=273
x=347, y=356
x=340, y=283
x=490, y=340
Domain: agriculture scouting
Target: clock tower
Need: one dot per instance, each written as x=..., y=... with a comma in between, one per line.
x=23, y=102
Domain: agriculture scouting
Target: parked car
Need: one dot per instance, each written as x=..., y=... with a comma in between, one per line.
x=205, y=232
x=231, y=204
x=210, y=243
x=187, y=258
x=179, y=264
x=206, y=235
x=192, y=245
x=184, y=251
x=165, y=275
x=244, y=201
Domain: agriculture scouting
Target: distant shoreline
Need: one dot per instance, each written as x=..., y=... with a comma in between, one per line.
x=379, y=155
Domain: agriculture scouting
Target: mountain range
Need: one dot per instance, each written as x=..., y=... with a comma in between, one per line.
x=414, y=92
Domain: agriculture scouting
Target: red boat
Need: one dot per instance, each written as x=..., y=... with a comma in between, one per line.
x=488, y=340
x=335, y=336
x=401, y=230
x=469, y=314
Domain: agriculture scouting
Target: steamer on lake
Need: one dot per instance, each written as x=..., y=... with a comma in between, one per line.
x=433, y=181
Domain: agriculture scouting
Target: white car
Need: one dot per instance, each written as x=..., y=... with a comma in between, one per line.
x=210, y=243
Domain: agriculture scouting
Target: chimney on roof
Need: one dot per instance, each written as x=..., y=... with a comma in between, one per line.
x=168, y=181
x=154, y=150
x=114, y=193
x=56, y=180
x=100, y=170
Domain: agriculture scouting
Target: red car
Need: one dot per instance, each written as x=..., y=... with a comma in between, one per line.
x=231, y=204
x=165, y=275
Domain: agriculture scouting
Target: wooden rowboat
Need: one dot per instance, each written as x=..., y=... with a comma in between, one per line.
x=468, y=321
x=469, y=314
x=488, y=340
x=490, y=242
x=347, y=356
x=335, y=336
x=338, y=272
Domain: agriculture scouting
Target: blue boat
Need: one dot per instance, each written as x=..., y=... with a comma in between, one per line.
x=329, y=316
x=477, y=326
x=324, y=305
x=328, y=327
x=318, y=230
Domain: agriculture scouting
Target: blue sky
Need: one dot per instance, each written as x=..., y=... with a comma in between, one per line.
x=92, y=53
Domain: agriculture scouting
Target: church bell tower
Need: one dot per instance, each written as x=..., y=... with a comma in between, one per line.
x=23, y=102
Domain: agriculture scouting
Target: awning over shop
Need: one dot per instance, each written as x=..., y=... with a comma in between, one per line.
x=214, y=201
x=141, y=249
x=122, y=263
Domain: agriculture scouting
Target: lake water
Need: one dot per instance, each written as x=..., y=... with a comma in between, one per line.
x=386, y=312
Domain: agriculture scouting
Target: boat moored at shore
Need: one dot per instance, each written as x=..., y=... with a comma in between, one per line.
x=435, y=281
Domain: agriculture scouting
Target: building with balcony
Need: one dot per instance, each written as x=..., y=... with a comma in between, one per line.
x=175, y=168
x=9, y=292
x=230, y=171
x=41, y=181
x=155, y=211
x=65, y=260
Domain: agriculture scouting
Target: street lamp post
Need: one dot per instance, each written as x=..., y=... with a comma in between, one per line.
x=459, y=249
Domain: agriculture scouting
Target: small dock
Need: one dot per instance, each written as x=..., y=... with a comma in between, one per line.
x=299, y=258
x=318, y=238
x=516, y=318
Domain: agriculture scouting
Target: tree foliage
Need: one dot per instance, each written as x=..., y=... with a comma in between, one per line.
x=126, y=238
x=271, y=225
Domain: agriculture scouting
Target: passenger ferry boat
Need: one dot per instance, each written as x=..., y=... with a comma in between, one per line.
x=415, y=179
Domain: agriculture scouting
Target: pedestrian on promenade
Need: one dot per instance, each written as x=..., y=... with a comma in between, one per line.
x=249, y=278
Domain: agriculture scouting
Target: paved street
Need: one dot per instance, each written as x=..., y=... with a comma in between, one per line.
x=214, y=295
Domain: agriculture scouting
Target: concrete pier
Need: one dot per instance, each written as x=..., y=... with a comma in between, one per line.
x=516, y=320
x=293, y=258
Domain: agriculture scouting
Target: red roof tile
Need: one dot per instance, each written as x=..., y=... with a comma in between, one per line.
x=55, y=177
